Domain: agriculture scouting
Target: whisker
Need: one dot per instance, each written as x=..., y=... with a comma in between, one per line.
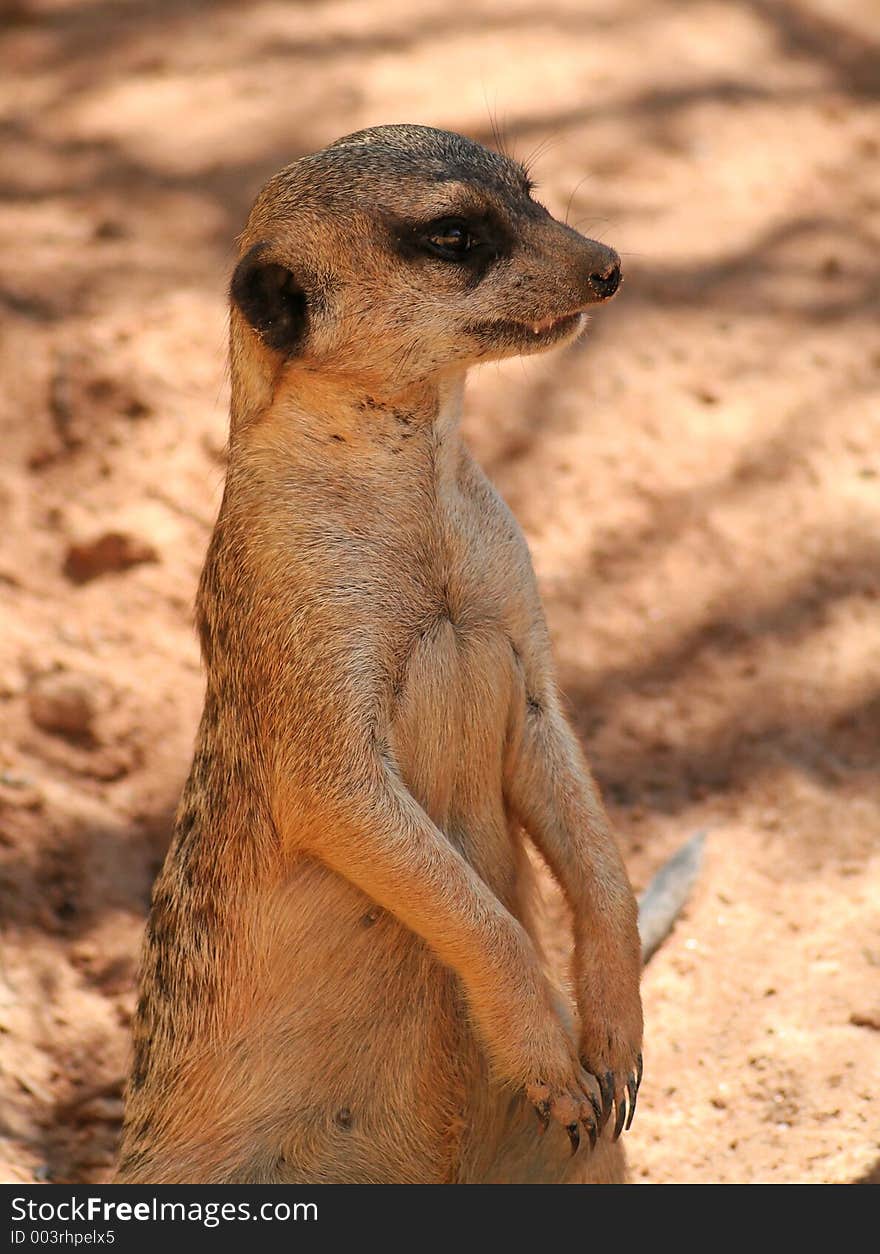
x=539, y=151
x=574, y=191
x=496, y=126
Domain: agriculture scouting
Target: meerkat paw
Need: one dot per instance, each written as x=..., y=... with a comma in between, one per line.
x=575, y=1105
x=610, y=1011
x=619, y=1089
x=614, y=1061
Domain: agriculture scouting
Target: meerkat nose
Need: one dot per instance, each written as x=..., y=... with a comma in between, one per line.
x=606, y=282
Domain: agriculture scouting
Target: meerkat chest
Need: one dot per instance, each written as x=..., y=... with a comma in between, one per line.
x=461, y=687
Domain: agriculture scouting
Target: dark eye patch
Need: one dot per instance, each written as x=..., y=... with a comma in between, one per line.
x=469, y=240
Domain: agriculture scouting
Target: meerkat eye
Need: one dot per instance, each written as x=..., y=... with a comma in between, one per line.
x=451, y=239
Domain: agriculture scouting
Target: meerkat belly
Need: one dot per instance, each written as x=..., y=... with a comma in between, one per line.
x=363, y=1036
x=451, y=735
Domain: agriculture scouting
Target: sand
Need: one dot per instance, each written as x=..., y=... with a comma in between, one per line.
x=699, y=480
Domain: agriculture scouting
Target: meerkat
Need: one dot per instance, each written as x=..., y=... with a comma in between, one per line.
x=342, y=979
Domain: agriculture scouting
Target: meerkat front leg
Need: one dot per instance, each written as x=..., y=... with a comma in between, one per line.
x=369, y=829
x=554, y=797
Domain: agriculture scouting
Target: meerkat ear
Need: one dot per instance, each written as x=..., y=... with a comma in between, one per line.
x=271, y=299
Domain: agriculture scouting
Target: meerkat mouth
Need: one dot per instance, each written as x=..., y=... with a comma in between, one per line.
x=544, y=331
x=552, y=326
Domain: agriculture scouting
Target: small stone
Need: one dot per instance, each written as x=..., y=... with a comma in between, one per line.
x=111, y=552
x=12, y=684
x=110, y=229
x=63, y=705
x=8, y=779
x=19, y=793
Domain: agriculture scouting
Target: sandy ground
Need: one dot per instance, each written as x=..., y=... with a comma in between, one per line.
x=699, y=480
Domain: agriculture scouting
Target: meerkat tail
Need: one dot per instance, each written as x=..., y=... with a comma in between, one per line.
x=663, y=900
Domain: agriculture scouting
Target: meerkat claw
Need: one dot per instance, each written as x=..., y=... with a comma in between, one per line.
x=606, y=1088
x=632, y=1091
x=574, y=1136
x=621, y=1117
x=597, y=1110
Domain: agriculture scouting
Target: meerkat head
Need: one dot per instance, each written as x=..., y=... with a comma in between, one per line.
x=402, y=251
